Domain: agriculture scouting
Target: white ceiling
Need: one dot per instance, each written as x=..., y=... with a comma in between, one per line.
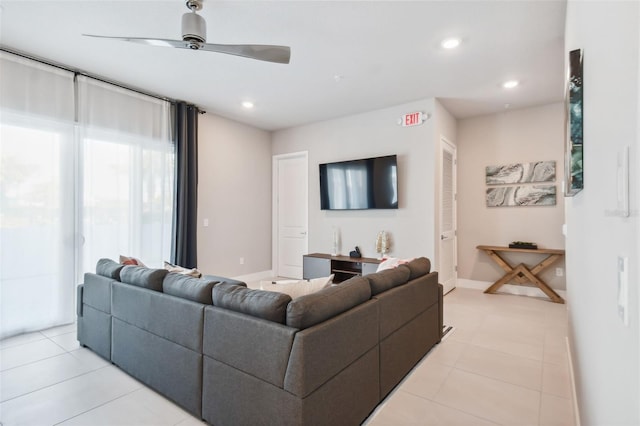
x=386, y=52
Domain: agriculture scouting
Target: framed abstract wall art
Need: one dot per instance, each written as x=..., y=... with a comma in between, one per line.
x=574, y=181
x=539, y=171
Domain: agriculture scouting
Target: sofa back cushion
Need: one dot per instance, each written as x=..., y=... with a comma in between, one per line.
x=143, y=277
x=187, y=287
x=267, y=305
x=388, y=278
x=109, y=268
x=315, y=308
x=419, y=267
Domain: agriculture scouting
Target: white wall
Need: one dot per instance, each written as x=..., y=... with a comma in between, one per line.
x=605, y=353
x=518, y=136
x=234, y=193
x=367, y=135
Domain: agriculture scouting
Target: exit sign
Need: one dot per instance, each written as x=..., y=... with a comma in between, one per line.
x=412, y=119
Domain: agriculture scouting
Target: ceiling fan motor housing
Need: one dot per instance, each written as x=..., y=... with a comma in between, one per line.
x=194, y=28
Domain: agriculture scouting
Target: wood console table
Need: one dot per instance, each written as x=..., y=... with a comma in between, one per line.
x=521, y=274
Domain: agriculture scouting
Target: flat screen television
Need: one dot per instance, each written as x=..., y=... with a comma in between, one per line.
x=369, y=183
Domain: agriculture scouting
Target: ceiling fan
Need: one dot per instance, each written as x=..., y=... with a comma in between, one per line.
x=194, y=32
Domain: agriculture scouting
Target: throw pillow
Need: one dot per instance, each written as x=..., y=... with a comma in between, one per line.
x=180, y=270
x=392, y=262
x=297, y=288
x=128, y=260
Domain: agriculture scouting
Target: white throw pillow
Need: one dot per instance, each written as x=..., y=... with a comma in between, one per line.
x=392, y=262
x=180, y=270
x=297, y=288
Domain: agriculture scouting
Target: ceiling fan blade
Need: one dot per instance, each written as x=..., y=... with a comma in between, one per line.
x=261, y=52
x=149, y=41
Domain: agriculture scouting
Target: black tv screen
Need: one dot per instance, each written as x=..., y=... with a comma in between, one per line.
x=370, y=183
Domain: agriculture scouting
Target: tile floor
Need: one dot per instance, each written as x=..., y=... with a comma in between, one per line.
x=505, y=363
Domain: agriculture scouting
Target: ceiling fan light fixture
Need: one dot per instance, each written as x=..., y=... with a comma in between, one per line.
x=194, y=28
x=450, y=43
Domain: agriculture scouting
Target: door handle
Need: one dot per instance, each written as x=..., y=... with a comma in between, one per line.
x=303, y=233
x=442, y=237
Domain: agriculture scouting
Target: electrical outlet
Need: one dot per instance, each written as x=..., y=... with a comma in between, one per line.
x=242, y=260
x=559, y=272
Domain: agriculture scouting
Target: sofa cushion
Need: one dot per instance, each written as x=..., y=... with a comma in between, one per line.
x=224, y=280
x=419, y=267
x=109, y=268
x=388, y=278
x=190, y=288
x=315, y=308
x=267, y=305
x=143, y=277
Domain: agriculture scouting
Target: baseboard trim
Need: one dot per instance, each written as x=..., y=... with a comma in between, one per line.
x=507, y=288
x=572, y=377
x=256, y=276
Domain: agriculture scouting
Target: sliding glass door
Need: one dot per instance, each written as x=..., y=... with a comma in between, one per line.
x=86, y=172
x=37, y=224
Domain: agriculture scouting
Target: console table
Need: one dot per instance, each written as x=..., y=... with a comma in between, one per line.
x=520, y=273
x=317, y=265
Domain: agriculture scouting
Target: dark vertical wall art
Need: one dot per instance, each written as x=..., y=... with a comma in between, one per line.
x=574, y=181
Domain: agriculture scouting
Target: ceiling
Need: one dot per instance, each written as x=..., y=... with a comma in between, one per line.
x=347, y=56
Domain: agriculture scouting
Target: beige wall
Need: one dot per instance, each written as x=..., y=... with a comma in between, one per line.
x=533, y=134
x=367, y=135
x=234, y=194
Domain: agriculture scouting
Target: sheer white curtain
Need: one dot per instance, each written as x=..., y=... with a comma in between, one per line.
x=37, y=217
x=127, y=174
x=74, y=192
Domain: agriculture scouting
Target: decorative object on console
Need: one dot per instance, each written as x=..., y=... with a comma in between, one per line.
x=336, y=242
x=523, y=245
x=573, y=171
x=355, y=253
x=382, y=243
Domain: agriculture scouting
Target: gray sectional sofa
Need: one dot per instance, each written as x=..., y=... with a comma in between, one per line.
x=235, y=356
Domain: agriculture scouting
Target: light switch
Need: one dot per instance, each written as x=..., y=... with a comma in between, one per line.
x=623, y=289
x=206, y=223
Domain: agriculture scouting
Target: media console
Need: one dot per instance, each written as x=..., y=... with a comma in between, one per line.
x=317, y=265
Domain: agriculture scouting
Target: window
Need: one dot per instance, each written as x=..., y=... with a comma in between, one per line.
x=81, y=178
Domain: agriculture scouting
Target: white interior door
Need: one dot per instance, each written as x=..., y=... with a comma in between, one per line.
x=447, y=269
x=290, y=213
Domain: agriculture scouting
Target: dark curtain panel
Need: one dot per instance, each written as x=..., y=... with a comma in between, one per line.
x=184, y=245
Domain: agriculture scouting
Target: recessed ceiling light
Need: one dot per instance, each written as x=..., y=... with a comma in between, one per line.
x=247, y=105
x=450, y=43
x=510, y=84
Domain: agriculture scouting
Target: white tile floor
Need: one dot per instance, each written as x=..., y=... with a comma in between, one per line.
x=505, y=363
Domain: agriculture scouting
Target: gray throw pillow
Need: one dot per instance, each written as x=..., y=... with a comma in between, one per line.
x=190, y=288
x=143, y=277
x=388, y=279
x=312, y=309
x=109, y=268
x=419, y=267
x=267, y=305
